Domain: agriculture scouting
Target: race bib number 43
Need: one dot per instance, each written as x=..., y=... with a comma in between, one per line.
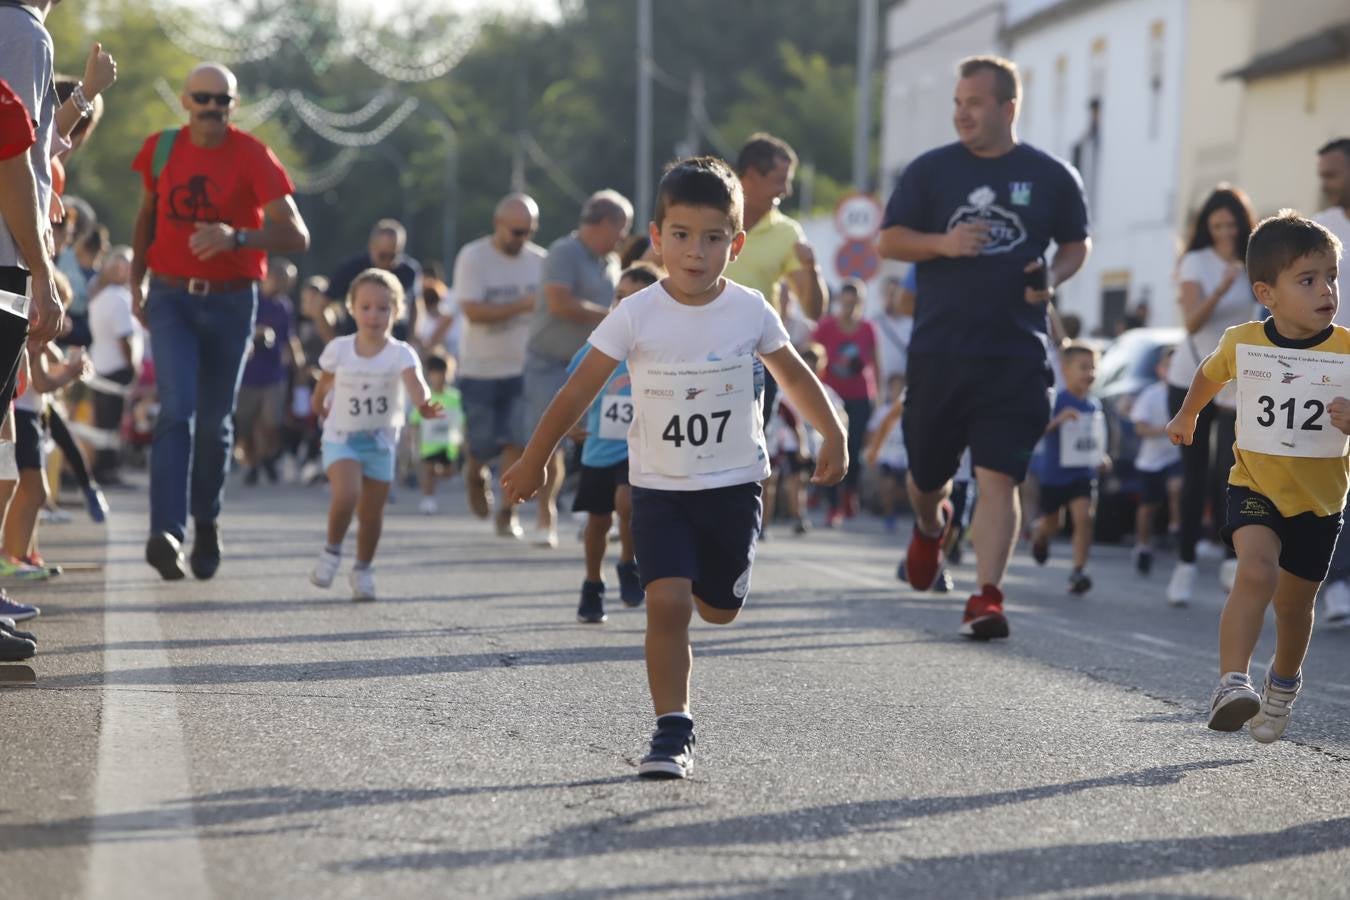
x=616, y=414
x=1283, y=397
x=698, y=418
x=364, y=402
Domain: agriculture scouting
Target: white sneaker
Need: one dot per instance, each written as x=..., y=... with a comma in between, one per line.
x=1336, y=595
x=49, y=516
x=363, y=584
x=428, y=506
x=1182, y=585
x=1276, y=705
x=1234, y=702
x=325, y=570
x=1228, y=573
x=546, y=537
x=1207, y=549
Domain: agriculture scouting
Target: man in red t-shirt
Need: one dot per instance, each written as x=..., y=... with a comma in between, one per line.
x=220, y=203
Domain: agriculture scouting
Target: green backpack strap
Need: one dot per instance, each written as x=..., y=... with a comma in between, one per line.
x=163, y=147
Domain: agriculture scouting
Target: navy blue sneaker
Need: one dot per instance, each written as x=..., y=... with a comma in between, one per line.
x=630, y=585
x=16, y=611
x=672, y=752
x=591, y=610
x=97, y=504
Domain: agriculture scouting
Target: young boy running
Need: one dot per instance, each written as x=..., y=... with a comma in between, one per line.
x=1288, y=482
x=367, y=375
x=696, y=448
x=1075, y=449
x=603, y=489
x=439, y=439
x=1157, y=461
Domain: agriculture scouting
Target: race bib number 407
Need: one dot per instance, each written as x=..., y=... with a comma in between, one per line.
x=364, y=402
x=698, y=418
x=1283, y=397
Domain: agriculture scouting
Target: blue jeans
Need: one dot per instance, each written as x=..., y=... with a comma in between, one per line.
x=199, y=344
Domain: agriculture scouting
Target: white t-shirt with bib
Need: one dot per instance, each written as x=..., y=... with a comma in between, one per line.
x=386, y=367
x=652, y=330
x=1150, y=408
x=1237, y=305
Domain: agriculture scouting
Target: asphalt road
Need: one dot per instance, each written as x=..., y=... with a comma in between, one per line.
x=254, y=737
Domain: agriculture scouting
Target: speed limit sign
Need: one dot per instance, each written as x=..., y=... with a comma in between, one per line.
x=857, y=217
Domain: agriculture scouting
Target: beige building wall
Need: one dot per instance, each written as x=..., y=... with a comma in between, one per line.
x=1285, y=119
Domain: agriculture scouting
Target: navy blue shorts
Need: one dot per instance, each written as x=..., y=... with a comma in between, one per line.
x=1307, y=541
x=707, y=537
x=996, y=406
x=1055, y=497
x=1153, y=485
x=596, y=487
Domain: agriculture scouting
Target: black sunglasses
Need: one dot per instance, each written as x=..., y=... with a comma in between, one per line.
x=201, y=98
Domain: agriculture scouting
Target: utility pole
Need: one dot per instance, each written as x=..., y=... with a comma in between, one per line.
x=643, y=172
x=862, y=126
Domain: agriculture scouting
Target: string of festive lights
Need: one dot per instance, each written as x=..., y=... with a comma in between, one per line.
x=327, y=176
x=323, y=129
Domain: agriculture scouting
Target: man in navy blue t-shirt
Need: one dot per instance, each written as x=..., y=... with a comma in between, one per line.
x=976, y=218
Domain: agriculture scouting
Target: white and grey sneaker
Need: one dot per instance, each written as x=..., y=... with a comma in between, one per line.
x=1276, y=705
x=546, y=537
x=1336, y=596
x=1234, y=702
x=1182, y=585
x=325, y=569
x=363, y=584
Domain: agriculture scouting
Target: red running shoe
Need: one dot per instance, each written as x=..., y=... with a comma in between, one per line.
x=923, y=559
x=984, y=615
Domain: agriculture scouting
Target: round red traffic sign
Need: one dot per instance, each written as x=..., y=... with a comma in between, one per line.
x=857, y=217
x=857, y=259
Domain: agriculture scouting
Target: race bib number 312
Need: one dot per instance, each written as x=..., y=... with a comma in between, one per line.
x=1283, y=397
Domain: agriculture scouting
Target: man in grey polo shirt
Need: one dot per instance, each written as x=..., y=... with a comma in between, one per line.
x=580, y=275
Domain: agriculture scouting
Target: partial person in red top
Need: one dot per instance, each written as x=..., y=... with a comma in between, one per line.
x=216, y=203
x=850, y=343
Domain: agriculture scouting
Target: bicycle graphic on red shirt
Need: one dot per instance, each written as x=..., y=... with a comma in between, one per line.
x=191, y=202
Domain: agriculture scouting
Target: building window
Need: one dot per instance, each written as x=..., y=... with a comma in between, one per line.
x=1156, y=59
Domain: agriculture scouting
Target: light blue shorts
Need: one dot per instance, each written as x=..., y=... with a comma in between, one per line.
x=375, y=457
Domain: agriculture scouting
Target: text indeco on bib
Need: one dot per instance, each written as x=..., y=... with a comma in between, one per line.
x=1283, y=397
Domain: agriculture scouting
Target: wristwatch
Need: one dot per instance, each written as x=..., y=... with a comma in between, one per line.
x=240, y=238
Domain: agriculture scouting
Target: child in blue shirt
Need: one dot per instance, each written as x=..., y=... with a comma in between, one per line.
x=1075, y=450
x=603, y=489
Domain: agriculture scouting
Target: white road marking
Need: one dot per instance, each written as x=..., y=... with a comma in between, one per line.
x=144, y=837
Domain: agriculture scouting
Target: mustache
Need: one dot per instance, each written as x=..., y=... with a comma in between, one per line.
x=212, y=114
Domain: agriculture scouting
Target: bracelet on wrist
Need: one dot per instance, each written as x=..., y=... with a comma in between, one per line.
x=82, y=103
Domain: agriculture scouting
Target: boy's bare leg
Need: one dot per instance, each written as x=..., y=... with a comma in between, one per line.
x=1143, y=524
x=21, y=519
x=770, y=496
x=670, y=606
x=1294, y=599
x=890, y=492
x=344, y=486
x=995, y=524
x=370, y=517
x=427, y=475
x=596, y=542
x=1080, y=511
x=623, y=508
x=1258, y=574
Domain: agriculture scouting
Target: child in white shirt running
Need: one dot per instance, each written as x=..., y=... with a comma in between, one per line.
x=360, y=398
x=696, y=447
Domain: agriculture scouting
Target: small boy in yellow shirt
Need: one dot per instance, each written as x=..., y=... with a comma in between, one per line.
x=1287, y=486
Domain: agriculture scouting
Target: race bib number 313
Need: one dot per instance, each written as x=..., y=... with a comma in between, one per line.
x=1283, y=397
x=364, y=402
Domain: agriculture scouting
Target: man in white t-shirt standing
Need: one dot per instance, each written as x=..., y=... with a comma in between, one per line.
x=895, y=325
x=496, y=282
x=1333, y=171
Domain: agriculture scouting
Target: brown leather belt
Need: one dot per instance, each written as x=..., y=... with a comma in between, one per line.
x=200, y=287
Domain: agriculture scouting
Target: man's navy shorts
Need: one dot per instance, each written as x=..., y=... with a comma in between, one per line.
x=707, y=537
x=1307, y=540
x=996, y=406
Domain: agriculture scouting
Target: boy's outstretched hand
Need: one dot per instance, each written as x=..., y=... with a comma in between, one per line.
x=1339, y=410
x=831, y=463
x=1182, y=429
x=432, y=410
x=522, y=481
